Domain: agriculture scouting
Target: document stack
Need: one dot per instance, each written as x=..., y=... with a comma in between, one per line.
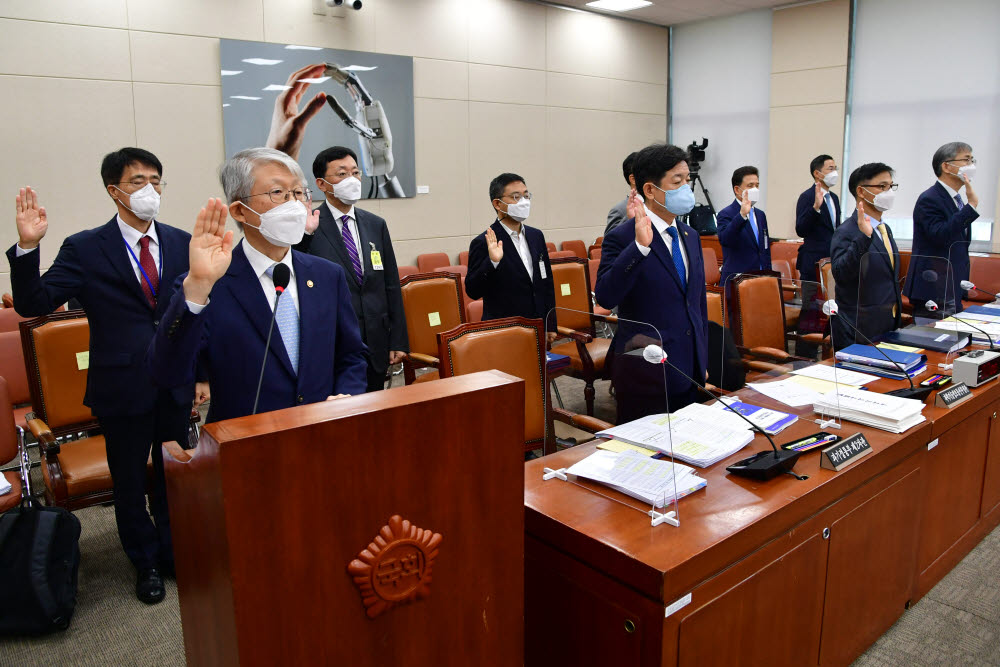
x=651, y=480
x=928, y=338
x=868, y=359
x=882, y=411
x=977, y=325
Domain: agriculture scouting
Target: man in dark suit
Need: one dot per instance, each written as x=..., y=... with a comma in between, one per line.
x=365, y=253
x=743, y=228
x=122, y=274
x=619, y=212
x=652, y=270
x=865, y=260
x=942, y=228
x=508, y=263
x=221, y=312
x=817, y=215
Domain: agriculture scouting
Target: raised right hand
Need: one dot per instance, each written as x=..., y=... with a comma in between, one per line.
x=209, y=253
x=820, y=194
x=630, y=205
x=970, y=194
x=32, y=223
x=643, y=225
x=745, y=205
x=864, y=222
x=494, y=246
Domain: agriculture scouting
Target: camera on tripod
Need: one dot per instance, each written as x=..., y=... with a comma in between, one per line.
x=696, y=152
x=702, y=216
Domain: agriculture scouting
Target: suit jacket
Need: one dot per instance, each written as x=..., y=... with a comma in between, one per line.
x=228, y=338
x=648, y=289
x=867, y=284
x=616, y=216
x=377, y=299
x=93, y=266
x=940, y=230
x=816, y=230
x=741, y=251
x=506, y=290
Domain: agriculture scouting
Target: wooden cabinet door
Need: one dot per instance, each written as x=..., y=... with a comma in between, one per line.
x=991, y=480
x=871, y=568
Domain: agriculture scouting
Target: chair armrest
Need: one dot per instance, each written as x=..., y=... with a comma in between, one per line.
x=578, y=336
x=770, y=353
x=423, y=358
x=176, y=452
x=582, y=422
x=763, y=366
x=42, y=433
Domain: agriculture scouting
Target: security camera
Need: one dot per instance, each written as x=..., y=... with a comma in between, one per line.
x=356, y=4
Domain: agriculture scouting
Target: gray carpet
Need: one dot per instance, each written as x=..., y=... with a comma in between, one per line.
x=957, y=623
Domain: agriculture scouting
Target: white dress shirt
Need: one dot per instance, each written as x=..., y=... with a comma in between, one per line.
x=520, y=242
x=260, y=263
x=952, y=192
x=353, y=222
x=661, y=226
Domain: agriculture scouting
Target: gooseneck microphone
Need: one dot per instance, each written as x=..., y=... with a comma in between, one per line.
x=932, y=307
x=919, y=393
x=281, y=275
x=969, y=285
x=762, y=465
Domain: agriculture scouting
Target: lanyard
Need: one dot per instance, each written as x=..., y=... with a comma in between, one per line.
x=142, y=270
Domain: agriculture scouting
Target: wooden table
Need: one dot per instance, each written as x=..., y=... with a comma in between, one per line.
x=780, y=572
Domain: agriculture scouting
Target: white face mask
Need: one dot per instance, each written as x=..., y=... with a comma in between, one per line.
x=968, y=170
x=283, y=225
x=883, y=201
x=753, y=194
x=145, y=202
x=347, y=190
x=831, y=179
x=519, y=211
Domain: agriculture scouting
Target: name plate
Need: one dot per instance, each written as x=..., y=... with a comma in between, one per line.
x=952, y=396
x=838, y=456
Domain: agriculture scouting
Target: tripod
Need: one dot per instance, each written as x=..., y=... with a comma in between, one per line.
x=696, y=179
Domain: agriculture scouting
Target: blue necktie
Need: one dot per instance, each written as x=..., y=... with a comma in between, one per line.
x=958, y=200
x=829, y=207
x=675, y=248
x=287, y=319
x=753, y=225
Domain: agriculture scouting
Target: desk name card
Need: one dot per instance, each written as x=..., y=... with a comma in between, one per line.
x=838, y=456
x=952, y=396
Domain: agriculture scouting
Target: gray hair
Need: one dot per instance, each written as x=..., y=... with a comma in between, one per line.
x=948, y=152
x=236, y=173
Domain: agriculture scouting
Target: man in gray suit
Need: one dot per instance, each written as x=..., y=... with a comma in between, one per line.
x=619, y=213
x=359, y=241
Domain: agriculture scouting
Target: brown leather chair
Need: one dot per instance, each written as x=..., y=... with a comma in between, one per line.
x=516, y=346
x=12, y=368
x=550, y=247
x=985, y=273
x=787, y=251
x=432, y=260
x=714, y=300
x=9, y=319
x=7, y=300
x=790, y=291
x=561, y=254
x=12, y=447
x=578, y=248
x=432, y=303
x=592, y=266
x=824, y=269
x=463, y=258
x=598, y=241
x=75, y=472
x=594, y=252
x=712, y=273
x=460, y=269
x=575, y=320
x=407, y=270
x=474, y=311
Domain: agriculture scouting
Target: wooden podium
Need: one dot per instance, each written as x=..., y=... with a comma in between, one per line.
x=383, y=529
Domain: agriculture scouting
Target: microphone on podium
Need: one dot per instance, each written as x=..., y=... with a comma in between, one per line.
x=281, y=276
x=969, y=285
x=932, y=307
x=762, y=465
x=919, y=393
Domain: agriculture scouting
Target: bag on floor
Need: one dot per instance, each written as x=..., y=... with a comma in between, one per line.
x=39, y=560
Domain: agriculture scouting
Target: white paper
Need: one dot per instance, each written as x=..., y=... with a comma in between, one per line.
x=889, y=413
x=982, y=317
x=838, y=375
x=787, y=391
x=698, y=440
x=5, y=486
x=652, y=480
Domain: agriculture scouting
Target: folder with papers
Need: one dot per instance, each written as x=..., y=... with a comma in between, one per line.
x=654, y=481
x=882, y=411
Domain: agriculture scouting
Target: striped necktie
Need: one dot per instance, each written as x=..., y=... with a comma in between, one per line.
x=352, y=248
x=958, y=200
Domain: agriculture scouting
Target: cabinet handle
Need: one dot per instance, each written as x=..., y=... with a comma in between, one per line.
x=826, y=533
x=994, y=414
x=629, y=626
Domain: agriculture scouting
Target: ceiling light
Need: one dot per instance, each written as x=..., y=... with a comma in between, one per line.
x=618, y=5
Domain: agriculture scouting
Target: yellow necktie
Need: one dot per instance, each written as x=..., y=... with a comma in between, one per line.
x=888, y=248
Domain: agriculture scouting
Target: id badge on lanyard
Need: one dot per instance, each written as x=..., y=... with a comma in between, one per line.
x=142, y=270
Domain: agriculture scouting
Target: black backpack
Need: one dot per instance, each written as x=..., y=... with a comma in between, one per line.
x=702, y=220
x=39, y=560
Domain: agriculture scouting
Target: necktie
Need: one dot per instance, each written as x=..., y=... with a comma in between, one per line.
x=352, y=248
x=149, y=266
x=287, y=319
x=958, y=200
x=829, y=207
x=888, y=248
x=675, y=252
x=753, y=225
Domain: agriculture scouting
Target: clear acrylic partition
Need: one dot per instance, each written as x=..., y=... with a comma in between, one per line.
x=631, y=392
x=775, y=348
x=978, y=281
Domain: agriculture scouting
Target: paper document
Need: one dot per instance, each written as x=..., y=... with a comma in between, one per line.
x=689, y=435
x=654, y=481
x=619, y=446
x=786, y=391
x=901, y=348
x=838, y=375
x=5, y=486
x=889, y=413
x=771, y=421
x=815, y=384
x=983, y=317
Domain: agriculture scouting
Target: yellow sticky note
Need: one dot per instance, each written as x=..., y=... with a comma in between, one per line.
x=564, y=288
x=619, y=446
x=900, y=348
x=83, y=360
x=434, y=318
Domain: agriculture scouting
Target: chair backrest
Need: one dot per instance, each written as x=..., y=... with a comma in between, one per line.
x=571, y=280
x=432, y=303
x=407, y=270
x=784, y=268
x=759, y=313
x=789, y=252
x=513, y=345
x=592, y=266
x=594, y=252
x=561, y=254
x=463, y=258
x=985, y=272
x=824, y=269
x=12, y=367
x=550, y=246
x=8, y=435
x=460, y=269
x=7, y=300
x=712, y=273
x=598, y=241
x=57, y=355
x=474, y=311
x=432, y=260
x=715, y=308
x=578, y=248
x=9, y=319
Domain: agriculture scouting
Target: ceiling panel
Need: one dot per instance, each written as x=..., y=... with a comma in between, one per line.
x=671, y=12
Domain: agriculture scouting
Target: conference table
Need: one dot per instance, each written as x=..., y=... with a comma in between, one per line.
x=782, y=572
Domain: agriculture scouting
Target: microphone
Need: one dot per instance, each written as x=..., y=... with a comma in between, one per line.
x=969, y=285
x=931, y=306
x=919, y=393
x=281, y=275
x=762, y=465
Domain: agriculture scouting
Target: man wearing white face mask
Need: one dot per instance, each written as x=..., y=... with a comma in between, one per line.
x=942, y=226
x=122, y=274
x=359, y=242
x=817, y=215
x=865, y=260
x=743, y=228
x=221, y=314
x=509, y=263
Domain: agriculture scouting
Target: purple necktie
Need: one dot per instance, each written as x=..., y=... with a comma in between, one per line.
x=352, y=249
x=958, y=200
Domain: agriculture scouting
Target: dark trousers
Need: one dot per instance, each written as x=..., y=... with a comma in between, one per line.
x=129, y=440
x=376, y=380
x=641, y=389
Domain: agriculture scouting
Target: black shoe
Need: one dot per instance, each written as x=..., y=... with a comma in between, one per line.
x=149, y=586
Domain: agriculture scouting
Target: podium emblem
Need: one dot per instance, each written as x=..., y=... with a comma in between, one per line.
x=396, y=566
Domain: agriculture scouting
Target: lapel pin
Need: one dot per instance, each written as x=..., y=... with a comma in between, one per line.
x=309, y=283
